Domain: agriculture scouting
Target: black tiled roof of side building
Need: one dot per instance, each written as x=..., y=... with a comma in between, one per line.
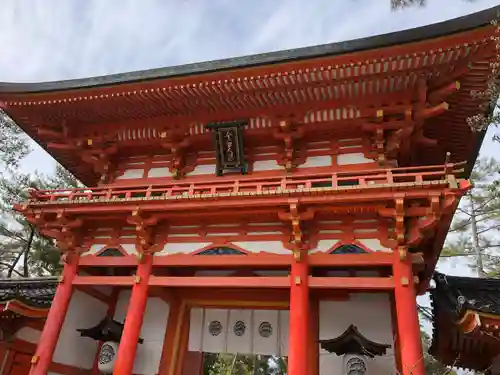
x=457, y=294
x=36, y=292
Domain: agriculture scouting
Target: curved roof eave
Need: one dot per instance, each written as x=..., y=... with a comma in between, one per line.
x=436, y=30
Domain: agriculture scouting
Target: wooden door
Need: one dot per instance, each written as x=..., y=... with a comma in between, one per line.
x=20, y=365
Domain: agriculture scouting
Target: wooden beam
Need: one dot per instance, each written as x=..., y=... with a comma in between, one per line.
x=433, y=111
x=223, y=261
x=353, y=283
x=376, y=259
x=356, y=283
x=438, y=95
x=220, y=282
x=103, y=261
x=104, y=280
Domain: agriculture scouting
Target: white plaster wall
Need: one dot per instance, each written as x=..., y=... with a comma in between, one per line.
x=28, y=334
x=371, y=313
x=317, y=161
x=250, y=342
x=131, y=174
x=266, y=165
x=147, y=360
x=159, y=172
x=84, y=312
x=203, y=169
x=353, y=158
x=374, y=244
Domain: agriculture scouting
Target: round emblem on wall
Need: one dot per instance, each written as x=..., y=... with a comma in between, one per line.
x=215, y=328
x=239, y=328
x=355, y=366
x=265, y=329
x=106, y=354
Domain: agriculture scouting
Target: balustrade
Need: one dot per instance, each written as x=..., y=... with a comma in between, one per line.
x=442, y=176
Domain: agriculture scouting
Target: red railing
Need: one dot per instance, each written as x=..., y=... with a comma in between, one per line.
x=397, y=178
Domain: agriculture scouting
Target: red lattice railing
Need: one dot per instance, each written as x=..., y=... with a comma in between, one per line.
x=398, y=178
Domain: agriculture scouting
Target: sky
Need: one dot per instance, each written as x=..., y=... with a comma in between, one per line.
x=45, y=40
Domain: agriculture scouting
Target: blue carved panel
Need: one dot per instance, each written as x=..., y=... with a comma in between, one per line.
x=348, y=249
x=221, y=251
x=111, y=252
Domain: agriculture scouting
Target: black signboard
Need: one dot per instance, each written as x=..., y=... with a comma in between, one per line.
x=229, y=149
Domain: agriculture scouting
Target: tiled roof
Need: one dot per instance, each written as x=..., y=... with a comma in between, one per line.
x=456, y=294
x=35, y=292
x=465, y=315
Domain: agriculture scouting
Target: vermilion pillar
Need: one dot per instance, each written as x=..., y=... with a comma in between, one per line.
x=133, y=322
x=410, y=344
x=55, y=319
x=313, y=334
x=298, y=352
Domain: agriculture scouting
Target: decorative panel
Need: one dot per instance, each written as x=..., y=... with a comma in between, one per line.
x=215, y=329
x=239, y=331
x=266, y=332
x=228, y=139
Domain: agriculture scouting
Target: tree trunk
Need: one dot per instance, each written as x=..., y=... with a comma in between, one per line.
x=25, y=252
x=475, y=240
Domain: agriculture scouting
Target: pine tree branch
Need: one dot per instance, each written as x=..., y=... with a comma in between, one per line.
x=456, y=255
x=463, y=211
x=26, y=250
x=7, y=265
x=494, y=227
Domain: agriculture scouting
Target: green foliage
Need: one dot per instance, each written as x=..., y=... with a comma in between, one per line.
x=13, y=143
x=20, y=241
x=476, y=227
x=432, y=366
x=241, y=364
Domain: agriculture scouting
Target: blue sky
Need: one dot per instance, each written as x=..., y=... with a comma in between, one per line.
x=46, y=40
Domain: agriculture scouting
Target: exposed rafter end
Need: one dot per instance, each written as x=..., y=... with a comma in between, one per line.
x=433, y=111
x=443, y=92
x=61, y=146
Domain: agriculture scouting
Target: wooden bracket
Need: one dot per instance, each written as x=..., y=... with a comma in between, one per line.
x=64, y=229
x=144, y=228
x=294, y=216
x=99, y=156
x=400, y=221
x=289, y=133
x=177, y=143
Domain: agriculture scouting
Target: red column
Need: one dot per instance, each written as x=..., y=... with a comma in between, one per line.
x=299, y=318
x=52, y=328
x=410, y=344
x=133, y=322
x=313, y=335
